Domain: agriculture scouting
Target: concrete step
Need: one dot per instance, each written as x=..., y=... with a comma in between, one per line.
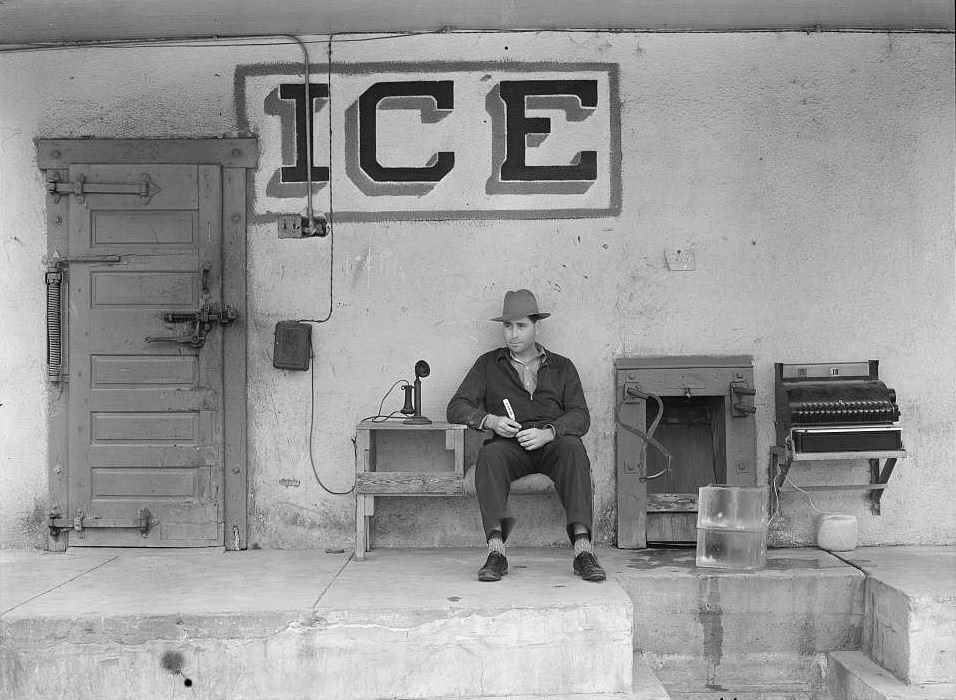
x=711, y=633
x=910, y=600
x=851, y=675
x=406, y=624
x=540, y=631
x=646, y=686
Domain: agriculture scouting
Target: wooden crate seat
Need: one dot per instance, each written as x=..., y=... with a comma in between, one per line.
x=530, y=485
x=411, y=479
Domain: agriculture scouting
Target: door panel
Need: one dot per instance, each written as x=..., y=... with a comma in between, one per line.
x=133, y=227
x=145, y=417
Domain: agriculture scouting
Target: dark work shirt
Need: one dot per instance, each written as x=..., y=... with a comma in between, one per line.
x=528, y=371
x=558, y=399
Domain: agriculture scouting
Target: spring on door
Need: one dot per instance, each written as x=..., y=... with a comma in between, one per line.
x=54, y=353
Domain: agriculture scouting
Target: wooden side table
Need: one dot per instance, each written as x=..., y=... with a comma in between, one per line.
x=395, y=459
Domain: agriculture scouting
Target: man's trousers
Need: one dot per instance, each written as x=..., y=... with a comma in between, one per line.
x=502, y=460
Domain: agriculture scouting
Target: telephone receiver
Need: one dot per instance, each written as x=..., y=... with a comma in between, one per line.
x=414, y=411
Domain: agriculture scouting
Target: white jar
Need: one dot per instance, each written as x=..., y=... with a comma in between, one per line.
x=837, y=532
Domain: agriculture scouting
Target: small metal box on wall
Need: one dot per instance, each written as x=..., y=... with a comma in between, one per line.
x=682, y=423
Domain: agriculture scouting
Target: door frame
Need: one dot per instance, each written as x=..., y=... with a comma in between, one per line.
x=650, y=372
x=235, y=156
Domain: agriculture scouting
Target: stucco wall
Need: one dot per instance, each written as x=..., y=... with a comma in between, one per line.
x=813, y=174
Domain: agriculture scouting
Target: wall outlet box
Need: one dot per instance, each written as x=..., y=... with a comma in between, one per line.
x=681, y=259
x=290, y=226
x=293, y=345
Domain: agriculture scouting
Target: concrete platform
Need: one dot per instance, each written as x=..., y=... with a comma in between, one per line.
x=910, y=624
x=851, y=675
x=709, y=633
x=305, y=624
x=102, y=623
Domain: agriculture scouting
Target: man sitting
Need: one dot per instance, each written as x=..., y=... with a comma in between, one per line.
x=533, y=402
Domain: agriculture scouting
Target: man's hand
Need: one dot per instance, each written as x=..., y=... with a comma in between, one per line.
x=535, y=438
x=502, y=425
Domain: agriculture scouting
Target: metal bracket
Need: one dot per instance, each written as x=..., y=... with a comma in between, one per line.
x=208, y=313
x=61, y=264
x=54, y=520
x=780, y=462
x=878, y=477
x=81, y=521
x=739, y=389
x=782, y=458
x=146, y=189
x=202, y=320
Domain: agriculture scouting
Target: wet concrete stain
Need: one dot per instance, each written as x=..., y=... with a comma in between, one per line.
x=174, y=661
x=807, y=640
x=687, y=560
x=785, y=564
x=658, y=558
x=709, y=615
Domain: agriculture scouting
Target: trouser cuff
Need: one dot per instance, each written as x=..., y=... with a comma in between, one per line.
x=505, y=526
x=574, y=521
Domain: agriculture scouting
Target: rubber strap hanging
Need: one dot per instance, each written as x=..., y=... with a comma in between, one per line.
x=647, y=437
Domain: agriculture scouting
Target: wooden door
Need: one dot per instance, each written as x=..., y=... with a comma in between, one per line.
x=692, y=430
x=145, y=414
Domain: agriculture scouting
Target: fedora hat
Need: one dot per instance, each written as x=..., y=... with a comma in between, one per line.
x=518, y=305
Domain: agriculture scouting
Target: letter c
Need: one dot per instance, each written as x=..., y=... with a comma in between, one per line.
x=442, y=91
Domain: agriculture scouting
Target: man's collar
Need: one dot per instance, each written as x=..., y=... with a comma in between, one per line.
x=505, y=353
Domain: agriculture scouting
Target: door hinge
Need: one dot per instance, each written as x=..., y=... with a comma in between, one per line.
x=81, y=521
x=58, y=265
x=739, y=389
x=145, y=189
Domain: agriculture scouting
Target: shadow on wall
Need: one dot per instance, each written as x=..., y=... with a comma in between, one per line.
x=31, y=527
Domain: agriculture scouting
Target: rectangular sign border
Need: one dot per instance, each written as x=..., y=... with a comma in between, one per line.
x=244, y=71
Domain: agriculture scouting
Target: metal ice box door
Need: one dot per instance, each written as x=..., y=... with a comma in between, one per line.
x=707, y=427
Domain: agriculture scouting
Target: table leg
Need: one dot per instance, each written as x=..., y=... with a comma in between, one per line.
x=361, y=527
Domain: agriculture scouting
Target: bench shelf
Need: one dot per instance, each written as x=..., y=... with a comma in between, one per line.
x=404, y=472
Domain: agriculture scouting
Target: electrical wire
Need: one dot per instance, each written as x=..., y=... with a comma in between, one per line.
x=787, y=480
x=379, y=417
x=239, y=40
x=776, y=499
x=315, y=471
x=308, y=129
x=330, y=227
x=311, y=220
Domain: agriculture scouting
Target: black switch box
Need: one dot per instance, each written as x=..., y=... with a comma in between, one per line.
x=293, y=345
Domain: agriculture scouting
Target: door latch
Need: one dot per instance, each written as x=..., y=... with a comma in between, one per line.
x=739, y=389
x=201, y=320
x=145, y=189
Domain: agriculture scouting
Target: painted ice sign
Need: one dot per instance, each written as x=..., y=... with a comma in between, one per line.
x=436, y=141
